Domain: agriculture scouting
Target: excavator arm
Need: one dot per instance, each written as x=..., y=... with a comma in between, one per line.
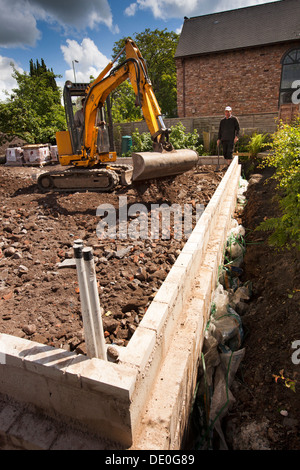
x=134, y=68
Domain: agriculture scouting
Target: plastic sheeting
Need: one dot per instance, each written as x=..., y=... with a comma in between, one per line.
x=222, y=350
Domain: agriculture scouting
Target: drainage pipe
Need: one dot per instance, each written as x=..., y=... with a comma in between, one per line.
x=96, y=316
x=89, y=334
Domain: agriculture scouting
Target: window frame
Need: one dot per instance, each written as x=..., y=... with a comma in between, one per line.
x=283, y=64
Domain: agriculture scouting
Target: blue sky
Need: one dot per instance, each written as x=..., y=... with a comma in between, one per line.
x=61, y=31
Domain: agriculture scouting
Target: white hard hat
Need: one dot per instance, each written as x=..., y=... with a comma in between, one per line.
x=228, y=108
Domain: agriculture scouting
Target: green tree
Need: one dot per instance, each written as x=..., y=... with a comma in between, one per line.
x=123, y=104
x=158, y=49
x=285, y=159
x=40, y=69
x=33, y=111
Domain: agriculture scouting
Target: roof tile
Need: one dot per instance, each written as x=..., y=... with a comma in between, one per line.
x=264, y=24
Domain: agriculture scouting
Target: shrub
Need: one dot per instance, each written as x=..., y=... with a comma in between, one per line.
x=285, y=158
x=178, y=137
x=243, y=143
x=256, y=144
x=141, y=142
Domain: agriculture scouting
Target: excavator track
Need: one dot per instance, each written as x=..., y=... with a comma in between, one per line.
x=101, y=179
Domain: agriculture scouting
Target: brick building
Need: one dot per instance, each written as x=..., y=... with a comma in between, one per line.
x=247, y=58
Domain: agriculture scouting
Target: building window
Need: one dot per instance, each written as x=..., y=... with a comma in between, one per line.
x=290, y=73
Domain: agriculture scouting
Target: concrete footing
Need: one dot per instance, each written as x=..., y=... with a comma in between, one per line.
x=143, y=401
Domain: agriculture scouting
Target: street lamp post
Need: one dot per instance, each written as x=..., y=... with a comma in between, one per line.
x=74, y=68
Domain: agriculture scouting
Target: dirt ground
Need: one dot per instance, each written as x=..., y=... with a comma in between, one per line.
x=266, y=414
x=39, y=297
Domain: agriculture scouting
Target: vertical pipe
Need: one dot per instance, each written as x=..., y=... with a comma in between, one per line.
x=94, y=301
x=89, y=334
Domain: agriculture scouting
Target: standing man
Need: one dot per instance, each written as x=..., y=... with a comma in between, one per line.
x=79, y=115
x=228, y=133
x=79, y=124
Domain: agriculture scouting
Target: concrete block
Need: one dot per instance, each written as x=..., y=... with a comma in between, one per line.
x=140, y=348
x=13, y=350
x=100, y=376
x=184, y=260
x=207, y=215
x=172, y=390
x=179, y=271
x=161, y=318
x=156, y=316
x=197, y=309
x=204, y=287
x=8, y=415
x=168, y=293
x=72, y=440
x=32, y=433
x=200, y=229
x=34, y=387
x=190, y=248
x=197, y=252
x=100, y=399
x=41, y=357
x=199, y=236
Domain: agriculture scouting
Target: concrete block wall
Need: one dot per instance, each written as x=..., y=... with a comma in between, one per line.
x=93, y=392
x=143, y=400
x=166, y=413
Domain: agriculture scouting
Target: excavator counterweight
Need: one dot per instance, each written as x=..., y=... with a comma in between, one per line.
x=87, y=146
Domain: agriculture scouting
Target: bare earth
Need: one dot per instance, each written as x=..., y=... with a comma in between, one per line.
x=266, y=414
x=40, y=299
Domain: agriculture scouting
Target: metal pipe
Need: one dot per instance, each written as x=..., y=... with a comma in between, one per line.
x=94, y=301
x=161, y=122
x=89, y=334
x=74, y=68
x=116, y=58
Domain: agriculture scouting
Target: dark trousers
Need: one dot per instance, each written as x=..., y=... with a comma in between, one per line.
x=227, y=149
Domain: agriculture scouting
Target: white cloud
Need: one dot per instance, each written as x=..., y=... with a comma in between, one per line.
x=18, y=18
x=7, y=82
x=178, y=30
x=131, y=10
x=90, y=60
x=223, y=5
x=165, y=9
x=75, y=13
x=17, y=25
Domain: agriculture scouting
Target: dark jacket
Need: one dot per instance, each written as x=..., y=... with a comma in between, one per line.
x=229, y=128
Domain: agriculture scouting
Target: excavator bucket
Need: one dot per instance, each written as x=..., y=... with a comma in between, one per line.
x=149, y=165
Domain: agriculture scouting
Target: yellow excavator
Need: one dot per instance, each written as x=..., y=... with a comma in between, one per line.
x=88, y=150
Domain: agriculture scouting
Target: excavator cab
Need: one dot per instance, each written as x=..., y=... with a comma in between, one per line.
x=74, y=94
x=70, y=143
